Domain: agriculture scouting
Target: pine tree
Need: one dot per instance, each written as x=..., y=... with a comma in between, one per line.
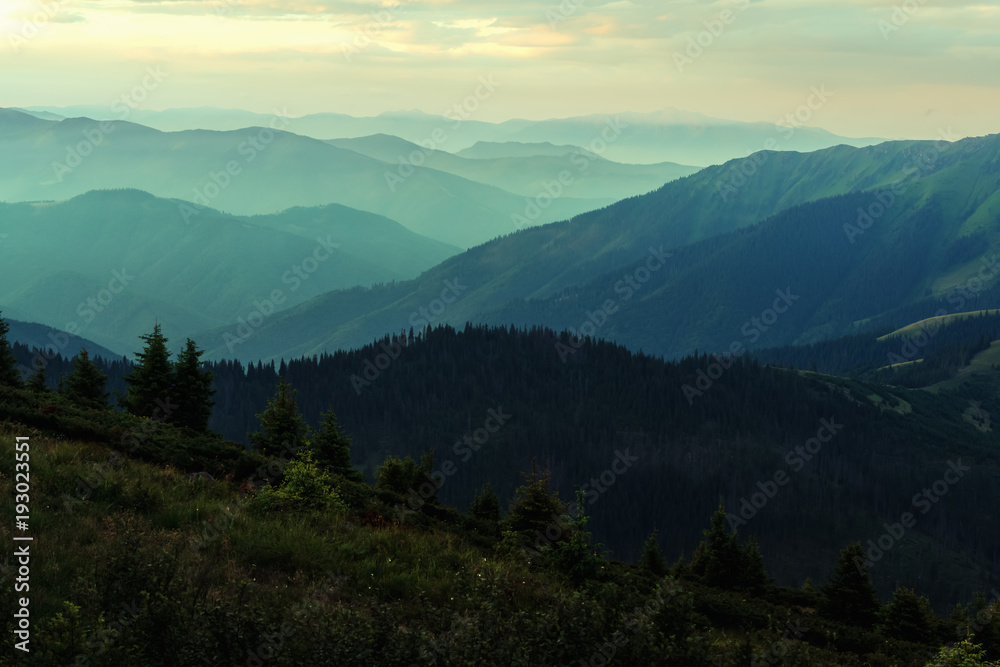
x=331, y=448
x=850, y=596
x=84, y=385
x=652, y=560
x=486, y=506
x=754, y=575
x=37, y=382
x=536, y=513
x=9, y=375
x=717, y=559
x=721, y=561
x=192, y=390
x=908, y=616
x=151, y=382
x=282, y=427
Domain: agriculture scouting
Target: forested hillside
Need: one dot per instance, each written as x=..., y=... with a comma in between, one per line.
x=692, y=435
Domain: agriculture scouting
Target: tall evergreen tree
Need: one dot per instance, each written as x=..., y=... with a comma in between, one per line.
x=721, y=561
x=9, y=374
x=37, y=383
x=909, y=617
x=331, y=448
x=486, y=506
x=192, y=390
x=151, y=382
x=537, y=513
x=282, y=427
x=84, y=385
x=850, y=596
x=652, y=560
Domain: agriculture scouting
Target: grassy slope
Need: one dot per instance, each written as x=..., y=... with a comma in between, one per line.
x=209, y=582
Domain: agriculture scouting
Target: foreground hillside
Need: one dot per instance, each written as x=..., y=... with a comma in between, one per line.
x=137, y=562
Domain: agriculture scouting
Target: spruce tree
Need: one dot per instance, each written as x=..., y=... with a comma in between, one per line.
x=37, y=382
x=331, y=448
x=908, y=616
x=84, y=385
x=151, y=382
x=652, y=560
x=282, y=427
x=486, y=506
x=721, y=561
x=536, y=513
x=850, y=596
x=717, y=559
x=9, y=375
x=192, y=390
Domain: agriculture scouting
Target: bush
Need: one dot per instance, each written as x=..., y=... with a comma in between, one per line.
x=305, y=486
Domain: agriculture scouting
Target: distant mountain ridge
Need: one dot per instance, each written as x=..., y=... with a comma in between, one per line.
x=254, y=170
x=667, y=135
x=565, y=171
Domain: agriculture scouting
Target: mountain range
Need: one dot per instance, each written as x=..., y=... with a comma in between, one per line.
x=261, y=170
x=667, y=135
x=691, y=265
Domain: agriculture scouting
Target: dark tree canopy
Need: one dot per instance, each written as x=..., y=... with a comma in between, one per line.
x=192, y=390
x=9, y=375
x=85, y=383
x=850, y=595
x=151, y=382
x=331, y=448
x=282, y=427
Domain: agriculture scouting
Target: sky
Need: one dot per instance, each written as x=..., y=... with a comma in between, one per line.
x=910, y=69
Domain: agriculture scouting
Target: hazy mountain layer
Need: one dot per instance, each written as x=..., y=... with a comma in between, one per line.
x=575, y=172
x=257, y=170
x=108, y=264
x=645, y=138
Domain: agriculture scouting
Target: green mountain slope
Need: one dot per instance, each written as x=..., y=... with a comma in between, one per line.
x=724, y=270
x=126, y=258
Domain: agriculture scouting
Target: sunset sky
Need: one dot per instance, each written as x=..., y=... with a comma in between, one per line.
x=893, y=72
